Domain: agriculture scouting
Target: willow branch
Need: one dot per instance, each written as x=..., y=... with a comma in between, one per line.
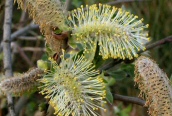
x=7, y=49
x=160, y=42
x=134, y=100
x=23, y=31
x=68, y=4
x=21, y=103
x=34, y=49
x=122, y=1
x=24, y=56
x=30, y=38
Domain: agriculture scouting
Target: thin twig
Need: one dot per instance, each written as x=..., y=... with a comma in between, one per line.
x=30, y=38
x=24, y=56
x=160, y=42
x=21, y=102
x=23, y=31
x=110, y=64
x=23, y=16
x=6, y=49
x=34, y=49
x=122, y=1
x=134, y=100
x=68, y=4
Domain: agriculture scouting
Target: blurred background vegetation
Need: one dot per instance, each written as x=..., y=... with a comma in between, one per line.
x=29, y=47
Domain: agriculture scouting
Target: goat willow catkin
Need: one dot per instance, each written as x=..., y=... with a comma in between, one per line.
x=74, y=87
x=48, y=14
x=45, y=12
x=21, y=84
x=118, y=33
x=154, y=86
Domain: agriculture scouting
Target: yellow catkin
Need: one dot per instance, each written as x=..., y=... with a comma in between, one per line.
x=20, y=84
x=154, y=86
x=73, y=87
x=117, y=33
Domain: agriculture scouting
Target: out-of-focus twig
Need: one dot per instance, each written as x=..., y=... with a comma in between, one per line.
x=123, y=1
x=34, y=49
x=20, y=103
x=29, y=38
x=24, y=56
x=160, y=42
x=68, y=4
x=7, y=49
x=110, y=64
x=134, y=100
x=23, y=30
x=23, y=17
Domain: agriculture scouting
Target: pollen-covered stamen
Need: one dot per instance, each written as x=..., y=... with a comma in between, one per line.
x=74, y=87
x=119, y=34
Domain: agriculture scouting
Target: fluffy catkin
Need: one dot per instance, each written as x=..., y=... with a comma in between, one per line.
x=48, y=14
x=74, y=87
x=154, y=86
x=117, y=33
x=21, y=84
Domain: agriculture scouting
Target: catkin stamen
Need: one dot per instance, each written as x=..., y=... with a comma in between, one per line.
x=118, y=33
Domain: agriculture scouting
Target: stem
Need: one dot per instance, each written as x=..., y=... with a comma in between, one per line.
x=6, y=49
x=68, y=4
x=134, y=100
x=122, y=1
x=160, y=42
x=23, y=30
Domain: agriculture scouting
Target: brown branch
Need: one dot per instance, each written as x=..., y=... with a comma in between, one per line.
x=110, y=64
x=7, y=49
x=68, y=4
x=159, y=43
x=134, y=100
x=122, y=1
x=24, y=56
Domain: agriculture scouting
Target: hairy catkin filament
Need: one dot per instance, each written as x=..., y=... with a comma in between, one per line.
x=22, y=83
x=117, y=33
x=154, y=86
x=74, y=87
